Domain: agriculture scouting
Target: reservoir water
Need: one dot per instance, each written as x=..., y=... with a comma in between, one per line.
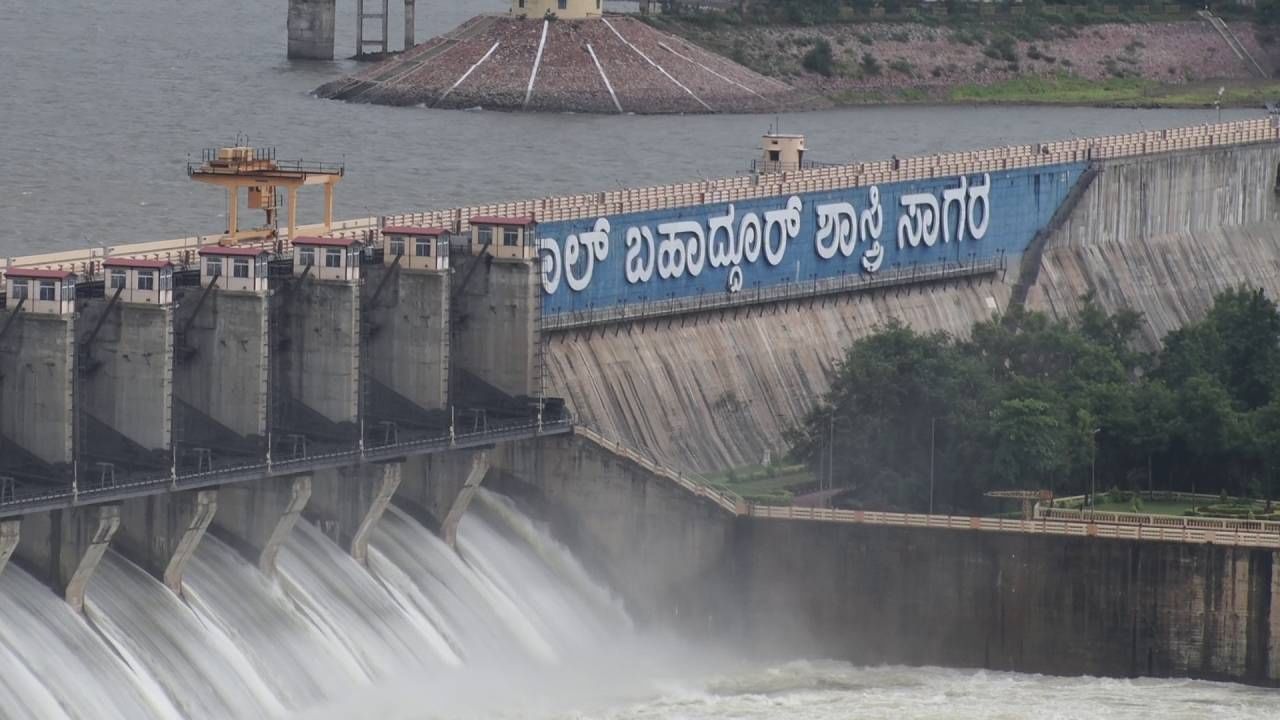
x=100, y=105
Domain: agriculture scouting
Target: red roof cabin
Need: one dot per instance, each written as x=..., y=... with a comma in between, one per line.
x=47, y=292
x=236, y=268
x=419, y=248
x=329, y=258
x=504, y=237
x=145, y=282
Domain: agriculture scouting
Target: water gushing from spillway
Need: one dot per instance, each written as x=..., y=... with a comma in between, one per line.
x=238, y=644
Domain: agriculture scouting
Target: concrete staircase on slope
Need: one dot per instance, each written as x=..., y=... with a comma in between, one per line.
x=1234, y=43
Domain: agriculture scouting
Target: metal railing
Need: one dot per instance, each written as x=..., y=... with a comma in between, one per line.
x=791, y=290
x=24, y=499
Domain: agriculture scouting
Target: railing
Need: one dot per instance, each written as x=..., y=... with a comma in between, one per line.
x=1238, y=537
x=25, y=499
x=818, y=287
x=729, y=501
x=1168, y=521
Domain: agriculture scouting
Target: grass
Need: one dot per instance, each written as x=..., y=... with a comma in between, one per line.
x=1118, y=92
x=1149, y=507
x=767, y=484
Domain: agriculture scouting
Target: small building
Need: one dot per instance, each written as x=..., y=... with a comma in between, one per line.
x=418, y=248
x=147, y=282
x=781, y=153
x=234, y=267
x=49, y=292
x=562, y=9
x=504, y=237
x=329, y=258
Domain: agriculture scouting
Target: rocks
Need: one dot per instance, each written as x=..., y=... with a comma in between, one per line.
x=488, y=61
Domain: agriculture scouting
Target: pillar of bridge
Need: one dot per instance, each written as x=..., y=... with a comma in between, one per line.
x=222, y=367
x=160, y=533
x=37, y=384
x=316, y=336
x=346, y=503
x=10, y=532
x=62, y=548
x=126, y=371
x=407, y=335
x=495, y=325
x=311, y=27
x=436, y=489
x=410, y=25
x=256, y=517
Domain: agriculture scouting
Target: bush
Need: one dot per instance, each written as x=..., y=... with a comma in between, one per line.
x=902, y=66
x=819, y=59
x=870, y=65
x=1001, y=48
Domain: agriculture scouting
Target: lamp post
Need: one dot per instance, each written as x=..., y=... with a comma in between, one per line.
x=1093, y=469
x=933, y=434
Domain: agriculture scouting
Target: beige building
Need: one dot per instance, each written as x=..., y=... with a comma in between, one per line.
x=242, y=269
x=145, y=282
x=49, y=292
x=562, y=9
x=504, y=237
x=417, y=248
x=328, y=258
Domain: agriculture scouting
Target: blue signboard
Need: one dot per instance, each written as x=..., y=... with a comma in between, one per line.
x=598, y=263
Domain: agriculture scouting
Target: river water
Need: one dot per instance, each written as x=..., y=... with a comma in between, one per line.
x=101, y=103
x=509, y=626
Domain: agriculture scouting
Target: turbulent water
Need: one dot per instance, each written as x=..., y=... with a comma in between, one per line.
x=508, y=626
x=101, y=103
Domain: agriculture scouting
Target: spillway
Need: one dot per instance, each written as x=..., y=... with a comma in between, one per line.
x=324, y=631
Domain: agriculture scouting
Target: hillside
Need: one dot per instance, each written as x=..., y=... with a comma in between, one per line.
x=928, y=59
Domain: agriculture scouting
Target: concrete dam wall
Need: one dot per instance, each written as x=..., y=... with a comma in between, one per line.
x=876, y=594
x=1161, y=234
x=1164, y=234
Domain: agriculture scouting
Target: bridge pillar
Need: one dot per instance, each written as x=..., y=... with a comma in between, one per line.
x=256, y=518
x=316, y=378
x=438, y=488
x=126, y=375
x=160, y=533
x=63, y=547
x=410, y=25
x=347, y=503
x=10, y=531
x=222, y=370
x=311, y=29
x=407, y=337
x=37, y=384
x=496, y=325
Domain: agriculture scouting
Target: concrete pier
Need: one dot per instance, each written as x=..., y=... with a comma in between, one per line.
x=62, y=548
x=312, y=25
x=437, y=489
x=256, y=518
x=10, y=532
x=497, y=306
x=127, y=369
x=346, y=504
x=223, y=364
x=316, y=333
x=407, y=341
x=160, y=533
x=37, y=385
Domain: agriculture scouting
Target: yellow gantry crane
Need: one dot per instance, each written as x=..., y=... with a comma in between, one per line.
x=259, y=172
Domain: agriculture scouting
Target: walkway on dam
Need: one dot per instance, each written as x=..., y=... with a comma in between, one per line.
x=97, y=490
x=1048, y=521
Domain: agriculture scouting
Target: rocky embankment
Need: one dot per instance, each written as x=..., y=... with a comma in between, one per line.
x=610, y=65
x=903, y=61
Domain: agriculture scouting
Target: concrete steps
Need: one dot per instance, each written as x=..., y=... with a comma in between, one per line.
x=1234, y=43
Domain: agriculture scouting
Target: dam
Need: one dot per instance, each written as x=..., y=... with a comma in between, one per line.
x=185, y=421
